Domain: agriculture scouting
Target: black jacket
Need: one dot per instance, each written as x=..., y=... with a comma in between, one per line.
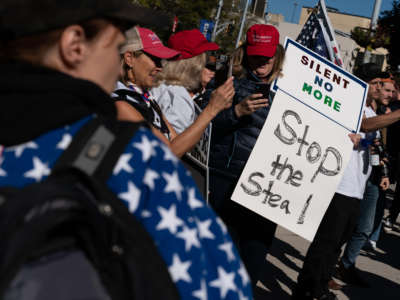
x=35, y=100
x=233, y=138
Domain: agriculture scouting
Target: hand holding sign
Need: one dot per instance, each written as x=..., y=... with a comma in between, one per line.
x=304, y=146
x=355, y=139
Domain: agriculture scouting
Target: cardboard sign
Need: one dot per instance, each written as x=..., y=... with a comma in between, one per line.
x=303, y=148
x=322, y=86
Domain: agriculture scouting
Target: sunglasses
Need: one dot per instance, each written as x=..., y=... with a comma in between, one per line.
x=155, y=59
x=211, y=66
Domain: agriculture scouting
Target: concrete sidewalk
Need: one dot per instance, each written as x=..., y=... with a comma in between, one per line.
x=381, y=268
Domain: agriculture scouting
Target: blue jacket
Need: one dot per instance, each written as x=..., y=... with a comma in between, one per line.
x=233, y=138
x=148, y=178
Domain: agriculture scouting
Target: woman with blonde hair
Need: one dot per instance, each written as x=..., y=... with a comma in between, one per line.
x=185, y=78
x=256, y=64
x=141, y=61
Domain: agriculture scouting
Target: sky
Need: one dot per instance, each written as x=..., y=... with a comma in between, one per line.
x=355, y=7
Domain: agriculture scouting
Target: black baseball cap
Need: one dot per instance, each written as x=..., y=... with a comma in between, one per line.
x=369, y=71
x=20, y=18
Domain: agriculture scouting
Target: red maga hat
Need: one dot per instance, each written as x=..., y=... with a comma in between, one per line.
x=139, y=38
x=190, y=43
x=262, y=40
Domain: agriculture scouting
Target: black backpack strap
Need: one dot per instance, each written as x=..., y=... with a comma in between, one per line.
x=94, y=151
x=96, y=148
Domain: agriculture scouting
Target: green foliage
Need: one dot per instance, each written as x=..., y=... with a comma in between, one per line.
x=390, y=24
x=227, y=38
x=189, y=12
x=371, y=39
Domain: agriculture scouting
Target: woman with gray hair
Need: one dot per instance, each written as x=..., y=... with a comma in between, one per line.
x=141, y=59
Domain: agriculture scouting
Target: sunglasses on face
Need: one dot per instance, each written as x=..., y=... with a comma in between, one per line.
x=211, y=66
x=155, y=59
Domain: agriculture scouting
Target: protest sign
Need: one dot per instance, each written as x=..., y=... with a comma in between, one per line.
x=303, y=148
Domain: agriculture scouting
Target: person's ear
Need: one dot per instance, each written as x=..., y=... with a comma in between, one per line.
x=73, y=46
x=129, y=58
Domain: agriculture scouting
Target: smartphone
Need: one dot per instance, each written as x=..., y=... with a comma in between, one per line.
x=263, y=88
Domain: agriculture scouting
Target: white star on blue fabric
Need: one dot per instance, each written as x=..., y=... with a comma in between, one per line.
x=169, y=220
x=193, y=201
x=222, y=225
x=19, y=149
x=204, y=230
x=132, y=196
x=2, y=172
x=202, y=292
x=65, y=141
x=173, y=184
x=190, y=238
x=243, y=274
x=241, y=296
x=168, y=155
x=39, y=170
x=149, y=177
x=179, y=269
x=146, y=214
x=155, y=143
x=146, y=148
x=225, y=282
x=228, y=249
x=123, y=164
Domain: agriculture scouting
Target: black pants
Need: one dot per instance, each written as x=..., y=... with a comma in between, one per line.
x=251, y=233
x=395, y=207
x=335, y=229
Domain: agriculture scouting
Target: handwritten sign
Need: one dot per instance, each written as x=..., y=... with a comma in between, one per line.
x=303, y=148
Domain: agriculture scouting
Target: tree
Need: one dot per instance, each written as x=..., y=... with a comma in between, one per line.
x=389, y=22
x=189, y=12
x=371, y=39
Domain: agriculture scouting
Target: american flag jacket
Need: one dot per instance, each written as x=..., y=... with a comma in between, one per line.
x=157, y=189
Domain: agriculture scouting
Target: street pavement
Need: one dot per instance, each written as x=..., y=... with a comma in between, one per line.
x=380, y=268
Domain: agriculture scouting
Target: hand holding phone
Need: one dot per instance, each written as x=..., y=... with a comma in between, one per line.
x=250, y=104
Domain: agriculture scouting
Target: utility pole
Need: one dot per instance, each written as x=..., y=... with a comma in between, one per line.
x=374, y=21
x=242, y=23
x=214, y=33
x=254, y=7
x=239, y=36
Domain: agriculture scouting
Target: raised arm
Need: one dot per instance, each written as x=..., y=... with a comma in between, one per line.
x=378, y=122
x=220, y=99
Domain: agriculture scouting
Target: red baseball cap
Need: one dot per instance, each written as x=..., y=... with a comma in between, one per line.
x=262, y=40
x=138, y=38
x=190, y=43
